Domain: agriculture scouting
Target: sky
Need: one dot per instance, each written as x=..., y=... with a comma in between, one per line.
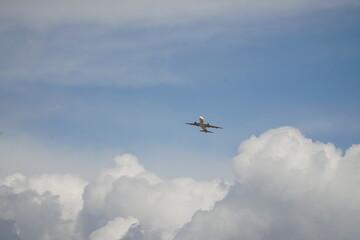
x=96, y=96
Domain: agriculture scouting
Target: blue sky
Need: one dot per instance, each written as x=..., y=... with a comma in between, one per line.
x=86, y=85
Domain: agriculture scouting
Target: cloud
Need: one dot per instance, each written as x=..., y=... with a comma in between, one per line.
x=124, y=201
x=161, y=206
x=288, y=187
x=115, y=229
x=42, y=206
x=78, y=55
x=35, y=216
x=67, y=187
x=8, y=230
x=127, y=43
x=42, y=13
x=17, y=150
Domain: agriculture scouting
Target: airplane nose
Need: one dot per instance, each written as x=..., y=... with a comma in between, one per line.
x=201, y=117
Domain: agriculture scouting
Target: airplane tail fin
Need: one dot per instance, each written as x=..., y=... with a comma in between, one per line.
x=206, y=131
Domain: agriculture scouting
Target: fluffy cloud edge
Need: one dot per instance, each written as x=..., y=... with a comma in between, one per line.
x=114, y=229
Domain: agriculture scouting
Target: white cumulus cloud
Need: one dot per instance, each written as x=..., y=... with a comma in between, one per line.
x=67, y=187
x=161, y=206
x=287, y=187
x=122, y=202
x=43, y=206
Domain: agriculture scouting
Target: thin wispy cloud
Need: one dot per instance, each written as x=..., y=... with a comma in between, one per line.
x=43, y=13
x=126, y=43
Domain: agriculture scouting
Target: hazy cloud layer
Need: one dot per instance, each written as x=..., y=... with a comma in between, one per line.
x=42, y=13
x=287, y=187
x=128, y=43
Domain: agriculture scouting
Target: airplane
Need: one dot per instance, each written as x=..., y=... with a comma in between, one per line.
x=203, y=125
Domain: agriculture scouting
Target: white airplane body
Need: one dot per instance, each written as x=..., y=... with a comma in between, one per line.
x=203, y=125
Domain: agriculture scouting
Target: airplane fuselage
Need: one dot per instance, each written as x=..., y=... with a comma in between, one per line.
x=202, y=125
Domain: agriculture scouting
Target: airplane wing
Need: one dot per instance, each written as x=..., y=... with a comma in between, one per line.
x=194, y=124
x=211, y=126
